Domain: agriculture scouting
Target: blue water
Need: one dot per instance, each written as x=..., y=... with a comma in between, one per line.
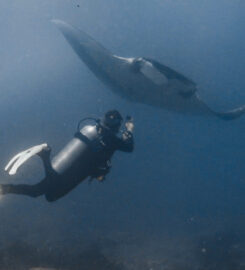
x=176, y=202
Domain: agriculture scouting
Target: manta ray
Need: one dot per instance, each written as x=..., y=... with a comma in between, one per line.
x=141, y=79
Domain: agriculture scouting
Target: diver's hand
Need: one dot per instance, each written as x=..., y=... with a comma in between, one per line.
x=129, y=125
x=100, y=178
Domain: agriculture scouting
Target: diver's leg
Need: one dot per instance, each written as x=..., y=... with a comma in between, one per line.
x=23, y=189
x=45, y=157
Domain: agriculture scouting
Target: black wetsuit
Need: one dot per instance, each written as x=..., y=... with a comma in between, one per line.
x=55, y=186
x=108, y=144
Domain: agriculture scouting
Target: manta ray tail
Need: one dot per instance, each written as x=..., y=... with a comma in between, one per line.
x=230, y=115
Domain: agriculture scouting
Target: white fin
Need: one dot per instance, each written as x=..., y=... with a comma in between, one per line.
x=22, y=157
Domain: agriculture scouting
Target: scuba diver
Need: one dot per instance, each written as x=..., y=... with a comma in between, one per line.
x=88, y=154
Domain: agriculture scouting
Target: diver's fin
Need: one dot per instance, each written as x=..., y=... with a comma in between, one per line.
x=22, y=157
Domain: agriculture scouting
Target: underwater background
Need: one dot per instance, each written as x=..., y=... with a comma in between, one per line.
x=175, y=203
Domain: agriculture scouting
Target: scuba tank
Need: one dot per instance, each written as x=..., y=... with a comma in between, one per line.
x=78, y=149
x=73, y=163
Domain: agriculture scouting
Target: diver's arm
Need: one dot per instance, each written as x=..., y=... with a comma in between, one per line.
x=126, y=142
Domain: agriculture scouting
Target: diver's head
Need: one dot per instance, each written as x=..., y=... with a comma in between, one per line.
x=112, y=120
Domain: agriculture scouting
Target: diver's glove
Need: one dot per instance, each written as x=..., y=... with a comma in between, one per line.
x=129, y=125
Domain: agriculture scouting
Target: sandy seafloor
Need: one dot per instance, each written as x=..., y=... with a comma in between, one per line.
x=121, y=250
